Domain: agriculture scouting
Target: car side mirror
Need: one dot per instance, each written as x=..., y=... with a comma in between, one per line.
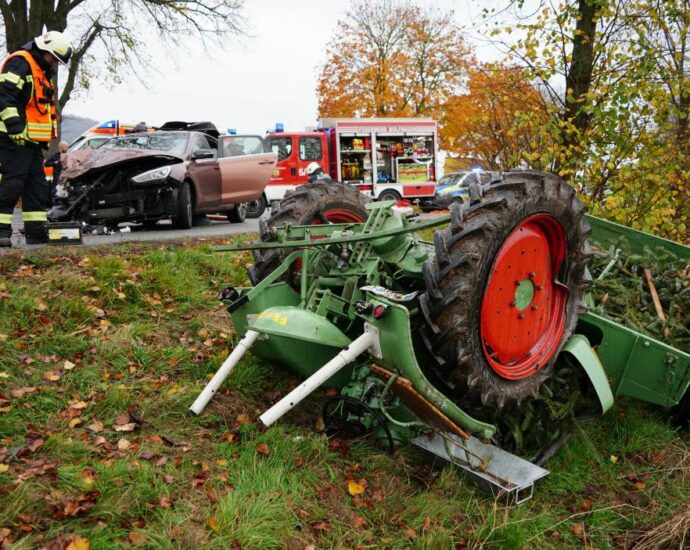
x=203, y=154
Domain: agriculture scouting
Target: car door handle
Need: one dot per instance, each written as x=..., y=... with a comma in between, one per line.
x=293, y=171
x=266, y=162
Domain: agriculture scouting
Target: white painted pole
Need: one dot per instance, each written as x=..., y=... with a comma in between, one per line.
x=212, y=387
x=349, y=354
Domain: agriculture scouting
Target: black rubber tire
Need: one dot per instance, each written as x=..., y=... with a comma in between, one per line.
x=459, y=273
x=300, y=207
x=256, y=208
x=389, y=195
x=184, y=216
x=237, y=214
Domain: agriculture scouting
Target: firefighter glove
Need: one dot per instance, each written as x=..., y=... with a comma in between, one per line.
x=21, y=137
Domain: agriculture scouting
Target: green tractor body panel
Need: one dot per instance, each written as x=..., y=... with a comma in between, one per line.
x=610, y=234
x=580, y=349
x=637, y=365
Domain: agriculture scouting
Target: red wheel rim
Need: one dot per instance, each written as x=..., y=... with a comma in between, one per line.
x=523, y=308
x=339, y=215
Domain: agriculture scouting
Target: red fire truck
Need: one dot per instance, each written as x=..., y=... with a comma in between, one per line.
x=388, y=158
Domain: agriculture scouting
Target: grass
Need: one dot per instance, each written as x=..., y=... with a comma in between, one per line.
x=91, y=338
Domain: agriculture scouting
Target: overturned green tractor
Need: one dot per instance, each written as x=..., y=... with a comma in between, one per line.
x=478, y=346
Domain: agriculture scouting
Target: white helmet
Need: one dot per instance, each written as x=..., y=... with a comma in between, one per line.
x=313, y=167
x=55, y=43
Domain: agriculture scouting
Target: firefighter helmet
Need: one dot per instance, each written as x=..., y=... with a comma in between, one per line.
x=312, y=168
x=55, y=43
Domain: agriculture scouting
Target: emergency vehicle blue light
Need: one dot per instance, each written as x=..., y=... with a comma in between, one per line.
x=476, y=169
x=231, y=132
x=280, y=127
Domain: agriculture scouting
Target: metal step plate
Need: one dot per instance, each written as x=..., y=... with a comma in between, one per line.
x=505, y=475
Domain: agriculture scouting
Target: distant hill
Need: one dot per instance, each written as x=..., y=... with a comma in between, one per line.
x=73, y=126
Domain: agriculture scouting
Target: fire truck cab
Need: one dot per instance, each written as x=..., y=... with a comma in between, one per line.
x=387, y=158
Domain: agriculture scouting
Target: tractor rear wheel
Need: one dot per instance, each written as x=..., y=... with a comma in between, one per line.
x=309, y=204
x=504, y=290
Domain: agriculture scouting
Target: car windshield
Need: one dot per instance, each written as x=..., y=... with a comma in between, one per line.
x=171, y=142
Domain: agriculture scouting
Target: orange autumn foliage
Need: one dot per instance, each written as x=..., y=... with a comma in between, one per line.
x=392, y=59
x=499, y=123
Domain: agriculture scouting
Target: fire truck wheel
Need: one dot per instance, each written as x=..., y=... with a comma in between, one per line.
x=256, y=208
x=389, y=195
x=309, y=204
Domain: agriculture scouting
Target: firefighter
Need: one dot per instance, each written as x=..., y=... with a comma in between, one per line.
x=27, y=124
x=316, y=173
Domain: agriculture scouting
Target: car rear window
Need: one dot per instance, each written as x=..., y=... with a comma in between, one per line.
x=237, y=146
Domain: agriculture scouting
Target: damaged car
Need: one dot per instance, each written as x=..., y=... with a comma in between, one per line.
x=180, y=170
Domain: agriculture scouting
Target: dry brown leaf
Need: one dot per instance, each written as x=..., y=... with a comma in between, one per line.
x=96, y=426
x=130, y=427
x=123, y=444
x=52, y=375
x=137, y=539
x=68, y=365
x=75, y=422
x=263, y=449
x=212, y=524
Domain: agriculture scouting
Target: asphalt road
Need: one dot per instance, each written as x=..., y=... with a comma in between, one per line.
x=163, y=231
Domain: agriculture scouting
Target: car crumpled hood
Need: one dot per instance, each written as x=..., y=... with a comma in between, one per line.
x=78, y=163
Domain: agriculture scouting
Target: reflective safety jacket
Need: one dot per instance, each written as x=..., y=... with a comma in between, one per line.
x=26, y=98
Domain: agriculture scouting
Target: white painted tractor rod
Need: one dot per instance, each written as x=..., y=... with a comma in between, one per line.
x=212, y=387
x=356, y=348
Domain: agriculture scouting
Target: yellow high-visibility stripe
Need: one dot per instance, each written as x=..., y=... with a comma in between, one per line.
x=34, y=216
x=9, y=112
x=13, y=78
x=6, y=219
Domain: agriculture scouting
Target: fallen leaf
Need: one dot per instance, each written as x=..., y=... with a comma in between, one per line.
x=263, y=449
x=20, y=392
x=212, y=524
x=3, y=338
x=123, y=444
x=586, y=505
x=409, y=531
x=122, y=420
x=68, y=365
x=613, y=458
x=75, y=422
x=79, y=543
x=96, y=426
x=321, y=526
x=130, y=427
x=359, y=522
x=4, y=468
x=51, y=375
x=577, y=529
x=4, y=374
x=137, y=539
x=639, y=485
x=355, y=488
x=298, y=462
x=35, y=444
x=79, y=405
x=42, y=307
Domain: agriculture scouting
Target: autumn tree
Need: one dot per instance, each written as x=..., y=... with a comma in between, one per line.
x=612, y=70
x=501, y=121
x=391, y=58
x=111, y=37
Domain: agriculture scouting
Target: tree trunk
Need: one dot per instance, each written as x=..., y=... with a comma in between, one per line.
x=579, y=78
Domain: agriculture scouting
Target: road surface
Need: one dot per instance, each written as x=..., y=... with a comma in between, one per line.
x=163, y=231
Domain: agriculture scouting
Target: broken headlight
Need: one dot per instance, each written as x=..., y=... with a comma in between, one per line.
x=153, y=175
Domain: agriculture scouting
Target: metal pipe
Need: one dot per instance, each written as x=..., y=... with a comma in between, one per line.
x=212, y=387
x=356, y=348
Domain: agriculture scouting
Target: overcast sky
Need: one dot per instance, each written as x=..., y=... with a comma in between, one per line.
x=256, y=81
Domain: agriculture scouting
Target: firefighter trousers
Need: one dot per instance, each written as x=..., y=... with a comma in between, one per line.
x=22, y=175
